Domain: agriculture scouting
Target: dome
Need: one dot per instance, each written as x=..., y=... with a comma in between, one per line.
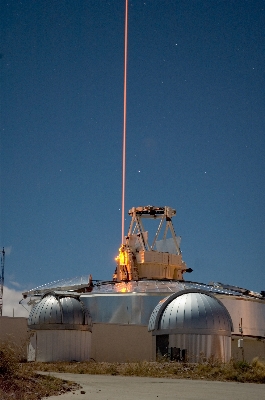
x=58, y=311
x=191, y=311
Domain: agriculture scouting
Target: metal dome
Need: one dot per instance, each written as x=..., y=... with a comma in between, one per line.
x=191, y=311
x=58, y=311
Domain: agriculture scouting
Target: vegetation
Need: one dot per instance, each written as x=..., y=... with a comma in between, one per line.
x=20, y=380
x=239, y=371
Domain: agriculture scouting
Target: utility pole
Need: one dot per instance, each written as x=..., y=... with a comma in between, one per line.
x=2, y=280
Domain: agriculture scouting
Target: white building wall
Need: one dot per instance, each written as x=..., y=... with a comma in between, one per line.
x=251, y=311
x=202, y=346
x=59, y=345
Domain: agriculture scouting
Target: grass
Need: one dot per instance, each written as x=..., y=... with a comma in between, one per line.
x=239, y=371
x=19, y=380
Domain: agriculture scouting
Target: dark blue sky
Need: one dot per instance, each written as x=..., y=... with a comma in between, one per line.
x=195, y=134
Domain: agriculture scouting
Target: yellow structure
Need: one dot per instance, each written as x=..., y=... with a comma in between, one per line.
x=141, y=259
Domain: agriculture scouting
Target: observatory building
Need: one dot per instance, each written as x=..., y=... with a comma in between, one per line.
x=148, y=310
x=62, y=329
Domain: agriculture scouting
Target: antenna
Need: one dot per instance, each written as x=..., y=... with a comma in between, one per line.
x=2, y=280
x=124, y=121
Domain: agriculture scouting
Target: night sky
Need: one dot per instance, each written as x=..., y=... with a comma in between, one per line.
x=195, y=134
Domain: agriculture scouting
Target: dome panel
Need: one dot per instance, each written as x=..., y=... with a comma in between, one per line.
x=66, y=312
x=192, y=312
x=152, y=320
x=46, y=311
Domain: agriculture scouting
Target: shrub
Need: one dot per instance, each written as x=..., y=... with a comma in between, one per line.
x=257, y=363
x=20, y=381
x=8, y=359
x=242, y=365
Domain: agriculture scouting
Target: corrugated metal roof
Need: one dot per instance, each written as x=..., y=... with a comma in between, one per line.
x=141, y=286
